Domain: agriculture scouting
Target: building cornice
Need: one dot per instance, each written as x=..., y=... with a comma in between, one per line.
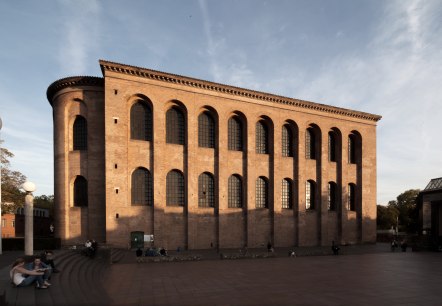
x=232, y=90
x=75, y=81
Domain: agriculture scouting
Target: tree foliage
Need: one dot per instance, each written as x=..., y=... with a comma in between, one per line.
x=11, y=183
x=46, y=202
x=12, y=195
x=405, y=204
x=386, y=217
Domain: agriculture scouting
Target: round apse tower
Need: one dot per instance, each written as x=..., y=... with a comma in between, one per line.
x=79, y=199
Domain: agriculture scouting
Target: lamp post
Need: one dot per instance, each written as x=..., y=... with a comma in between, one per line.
x=29, y=217
x=1, y=219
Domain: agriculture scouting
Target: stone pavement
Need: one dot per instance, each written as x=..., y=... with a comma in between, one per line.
x=366, y=275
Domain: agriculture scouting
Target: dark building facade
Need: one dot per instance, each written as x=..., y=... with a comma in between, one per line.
x=429, y=203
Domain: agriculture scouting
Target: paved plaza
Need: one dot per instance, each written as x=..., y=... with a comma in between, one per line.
x=373, y=278
x=368, y=279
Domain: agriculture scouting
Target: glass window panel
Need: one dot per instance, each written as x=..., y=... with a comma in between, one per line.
x=262, y=146
x=331, y=147
x=309, y=195
x=80, y=133
x=141, y=187
x=80, y=192
x=175, y=195
x=235, y=134
x=235, y=192
x=175, y=126
x=140, y=122
x=286, y=194
x=206, y=190
x=310, y=144
x=206, y=131
x=351, y=149
x=351, y=197
x=332, y=196
x=287, y=141
x=261, y=193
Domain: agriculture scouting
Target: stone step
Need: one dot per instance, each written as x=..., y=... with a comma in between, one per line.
x=118, y=255
x=80, y=281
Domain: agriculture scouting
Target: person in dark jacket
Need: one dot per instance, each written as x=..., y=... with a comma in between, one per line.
x=48, y=258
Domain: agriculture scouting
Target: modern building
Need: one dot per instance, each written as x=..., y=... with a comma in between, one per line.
x=13, y=225
x=198, y=164
x=429, y=202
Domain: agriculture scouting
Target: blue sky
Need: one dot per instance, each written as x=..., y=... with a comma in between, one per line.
x=381, y=57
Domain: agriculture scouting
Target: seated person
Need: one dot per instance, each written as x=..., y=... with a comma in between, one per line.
x=404, y=245
x=94, y=246
x=163, y=252
x=89, y=248
x=394, y=245
x=151, y=252
x=47, y=257
x=335, y=248
x=22, y=277
x=39, y=266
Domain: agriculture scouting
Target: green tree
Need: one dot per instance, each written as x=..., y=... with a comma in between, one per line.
x=11, y=183
x=405, y=203
x=45, y=201
x=386, y=217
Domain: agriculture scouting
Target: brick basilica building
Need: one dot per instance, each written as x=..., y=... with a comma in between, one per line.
x=198, y=164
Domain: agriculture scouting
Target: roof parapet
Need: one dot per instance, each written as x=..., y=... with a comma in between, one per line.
x=227, y=89
x=74, y=81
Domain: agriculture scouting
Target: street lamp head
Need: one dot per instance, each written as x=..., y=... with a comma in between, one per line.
x=28, y=186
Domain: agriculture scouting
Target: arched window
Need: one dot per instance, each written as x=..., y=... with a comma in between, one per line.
x=310, y=195
x=141, y=187
x=310, y=144
x=206, y=130
x=80, y=192
x=352, y=149
x=235, y=134
x=140, y=122
x=351, y=197
x=286, y=194
x=262, y=138
x=175, y=126
x=206, y=190
x=332, y=194
x=261, y=193
x=287, y=141
x=80, y=133
x=331, y=146
x=235, y=191
x=175, y=195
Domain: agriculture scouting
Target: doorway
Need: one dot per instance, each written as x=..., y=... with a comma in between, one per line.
x=137, y=240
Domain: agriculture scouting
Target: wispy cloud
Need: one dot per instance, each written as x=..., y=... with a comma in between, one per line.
x=29, y=138
x=206, y=24
x=397, y=78
x=228, y=72
x=81, y=34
